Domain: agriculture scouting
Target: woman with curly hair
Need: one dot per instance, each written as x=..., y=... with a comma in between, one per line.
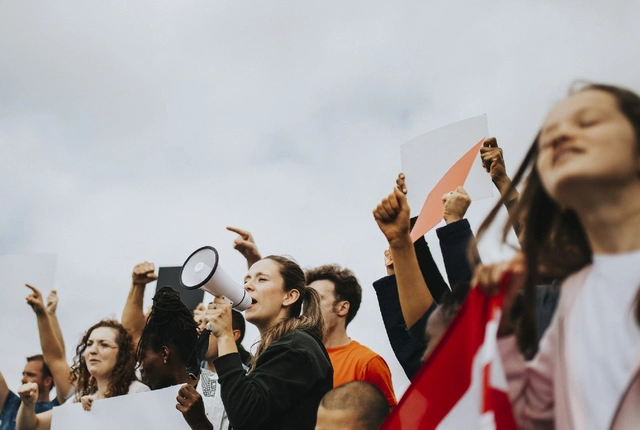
x=104, y=367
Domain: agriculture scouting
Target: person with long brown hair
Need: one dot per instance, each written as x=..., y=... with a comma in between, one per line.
x=104, y=366
x=291, y=370
x=580, y=213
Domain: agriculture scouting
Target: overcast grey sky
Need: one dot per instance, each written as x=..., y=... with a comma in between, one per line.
x=136, y=131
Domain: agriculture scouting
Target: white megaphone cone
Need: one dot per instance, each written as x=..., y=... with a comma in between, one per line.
x=201, y=270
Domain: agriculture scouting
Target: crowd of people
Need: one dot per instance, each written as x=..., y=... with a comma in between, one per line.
x=568, y=335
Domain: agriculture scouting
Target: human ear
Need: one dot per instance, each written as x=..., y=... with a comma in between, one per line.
x=165, y=352
x=48, y=381
x=342, y=308
x=236, y=335
x=291, y=297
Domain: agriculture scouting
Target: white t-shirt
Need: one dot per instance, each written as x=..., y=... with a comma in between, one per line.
x=209, y=388
x=603, y=338
x=134, y=387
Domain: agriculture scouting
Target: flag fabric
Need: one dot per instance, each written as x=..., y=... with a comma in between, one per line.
x=462, y=384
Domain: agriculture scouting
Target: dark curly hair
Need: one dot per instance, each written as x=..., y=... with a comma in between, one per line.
x=170, y=323
x=346, y=285
x=122, y=375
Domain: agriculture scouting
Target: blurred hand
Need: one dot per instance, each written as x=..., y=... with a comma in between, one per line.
x=245, y=245
x=199, y=315
x=456, y=204
x=52, y=302
x=87, y=401
x=143, y=273
x=490, y=279
x=388, y=262
x=218, y=316
x=29, y=393
x=192, y=407
x=35, y=300
x=392, y=214
x=493, y=160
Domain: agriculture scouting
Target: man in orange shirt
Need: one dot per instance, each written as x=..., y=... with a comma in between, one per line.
x=340, y=297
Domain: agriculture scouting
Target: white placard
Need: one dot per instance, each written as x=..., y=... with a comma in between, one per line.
x=427, y=158
x=151, y=410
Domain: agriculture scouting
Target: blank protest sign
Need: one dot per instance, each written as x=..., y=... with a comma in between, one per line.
x=427, y=158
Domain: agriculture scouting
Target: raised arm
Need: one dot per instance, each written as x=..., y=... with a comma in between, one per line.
x=51, y=349
x=407, y=350
x=27, y=418
x=456, y=237
x=392, y=217
x=52, y=306
x=133, y=318
x=493, y=162
x=245, y=245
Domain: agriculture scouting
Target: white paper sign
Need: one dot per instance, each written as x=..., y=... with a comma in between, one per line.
x=427, y=158
x=18, y=325
x=151, y=410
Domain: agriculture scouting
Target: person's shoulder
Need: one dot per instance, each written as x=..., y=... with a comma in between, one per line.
x=300, y=340
x=363, y=351
x=11, y=404
x=46, y=406
x=138, y=387
x=572, y=285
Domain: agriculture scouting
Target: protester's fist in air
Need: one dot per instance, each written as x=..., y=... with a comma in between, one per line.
x=392, y=214
x=245, y=245
x=492, y=159
x=35, y=300
x=456, y=204
x=28, y=393
x=144, y=273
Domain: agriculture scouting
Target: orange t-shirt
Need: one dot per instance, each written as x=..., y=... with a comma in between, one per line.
x=355, y=362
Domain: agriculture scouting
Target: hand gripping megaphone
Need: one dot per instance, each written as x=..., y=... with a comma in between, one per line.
x=202, y=270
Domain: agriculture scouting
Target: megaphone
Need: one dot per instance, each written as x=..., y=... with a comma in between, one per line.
x=202, y=270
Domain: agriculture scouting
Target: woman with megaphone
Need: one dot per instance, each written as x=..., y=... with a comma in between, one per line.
x=291, y=370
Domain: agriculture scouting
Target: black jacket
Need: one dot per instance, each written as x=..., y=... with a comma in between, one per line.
x=285, y=388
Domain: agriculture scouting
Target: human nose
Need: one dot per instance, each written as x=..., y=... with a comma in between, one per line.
x=248, y=285
x=563, y=134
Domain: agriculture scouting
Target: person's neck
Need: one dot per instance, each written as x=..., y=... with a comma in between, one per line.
x=336, y=336
x=43, y=396
x=210, y=366
x=611, y=220
x=180, y=376
x=103, y=386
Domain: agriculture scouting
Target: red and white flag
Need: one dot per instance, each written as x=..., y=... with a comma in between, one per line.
x=462, y=384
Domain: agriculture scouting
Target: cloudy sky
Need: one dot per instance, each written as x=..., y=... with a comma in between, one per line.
x=135, y=131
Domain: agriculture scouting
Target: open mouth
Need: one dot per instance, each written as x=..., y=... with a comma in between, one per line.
x=564, y=152
x=253, y=301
